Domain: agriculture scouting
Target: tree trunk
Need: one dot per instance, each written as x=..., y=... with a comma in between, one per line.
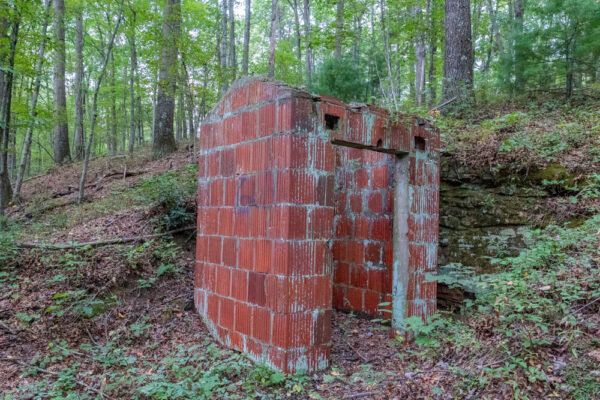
x=190, y=101
x=164, y=138
x=294, y=6
x=223, y=49
x=179, y=112
x=569, y=69
x=132, y=81
x=273, y=38
x=357, y=35
x=458, y=55
x=26, y=152
x=124, y=127
x=232, y=55
x=518, y=51
x=420, y=55
x=432, y=48
x=78, y=138
x=339, y=28
x=246, y=38
x=62, y=153
x=490, y=51
x=7, y=62
x=113, y=108
x=88, y=150
x=308, y=51
x=393, y=95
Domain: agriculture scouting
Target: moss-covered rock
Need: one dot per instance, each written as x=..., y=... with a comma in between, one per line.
x=553, y=175
x=478, y=222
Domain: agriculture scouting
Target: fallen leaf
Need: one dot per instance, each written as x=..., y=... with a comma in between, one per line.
x=595, y=354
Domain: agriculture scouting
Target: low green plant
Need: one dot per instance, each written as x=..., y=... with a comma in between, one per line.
x=8, y=246
x=169, y=193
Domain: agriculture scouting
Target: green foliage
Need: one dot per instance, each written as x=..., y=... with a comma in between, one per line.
x=189, y=372
x=169, y=194
x=529, y=307
x=8, y=248
x=340, y=78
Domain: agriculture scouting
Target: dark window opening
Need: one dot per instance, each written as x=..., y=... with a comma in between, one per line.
x=379, y=143
x=419, y=143
x=332, y=122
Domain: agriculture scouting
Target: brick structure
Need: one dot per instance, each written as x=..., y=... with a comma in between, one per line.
x=304, y=204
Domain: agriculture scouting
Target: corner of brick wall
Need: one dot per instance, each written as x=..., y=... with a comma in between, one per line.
x=265, y=213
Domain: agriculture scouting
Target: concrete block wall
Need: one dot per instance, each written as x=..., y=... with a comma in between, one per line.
x=272, y=171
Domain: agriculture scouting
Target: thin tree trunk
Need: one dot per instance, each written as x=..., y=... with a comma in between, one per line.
x=386, y=47
x=154, y=102
x=294, y=7
x=232, y=54
x=357, y=35
x=132, y=81
x=420, y=55
x=124, y=127
x=7, y=62
x=432, y=48
x=26, y=152
x=113, y=107
x=179, y=114
x=95, y=107
x=79, y=113
x=223, y=49
x=339, y=28
x=431, y=75
x=140, y=120
x=458, y=55
x=308, y=51
x=273, y=38
x=246, y=38
x=62, y=153
x=488, y=60
x=190, y=101
x=517, y=51
x=164, y=139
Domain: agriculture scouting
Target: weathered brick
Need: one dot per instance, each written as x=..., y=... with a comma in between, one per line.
x=266, y=120
x=226, y=313
x=274, y=193
x=256, y=288
x=243, y=318
x=261, y=324
x=239, y=284
x=223, y=281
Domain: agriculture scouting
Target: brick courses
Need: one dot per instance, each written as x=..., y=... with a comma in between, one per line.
x=295, y=216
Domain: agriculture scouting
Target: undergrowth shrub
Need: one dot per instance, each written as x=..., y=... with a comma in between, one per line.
x=170, y=195
x=541, y=307
x=8, y=247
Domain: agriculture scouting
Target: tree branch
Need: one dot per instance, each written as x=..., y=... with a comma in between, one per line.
x=99, y=243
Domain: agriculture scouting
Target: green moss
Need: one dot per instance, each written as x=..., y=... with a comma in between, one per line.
x=553, y=174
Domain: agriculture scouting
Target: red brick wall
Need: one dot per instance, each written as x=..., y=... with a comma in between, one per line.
x=263, y=271
x=362, y=244
x=267, y=205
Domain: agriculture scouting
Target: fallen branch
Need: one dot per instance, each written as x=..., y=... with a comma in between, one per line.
x=99, y=243
x=444, y=104
x=588, y=304
x=357, y=395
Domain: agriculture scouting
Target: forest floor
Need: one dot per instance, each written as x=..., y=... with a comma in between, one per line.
x=117, y=321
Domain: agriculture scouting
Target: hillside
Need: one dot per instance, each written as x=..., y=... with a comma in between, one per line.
x=108, y=320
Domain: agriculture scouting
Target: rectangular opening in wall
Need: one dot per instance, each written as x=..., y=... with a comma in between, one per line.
x=332, y=122
x=419, y=143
